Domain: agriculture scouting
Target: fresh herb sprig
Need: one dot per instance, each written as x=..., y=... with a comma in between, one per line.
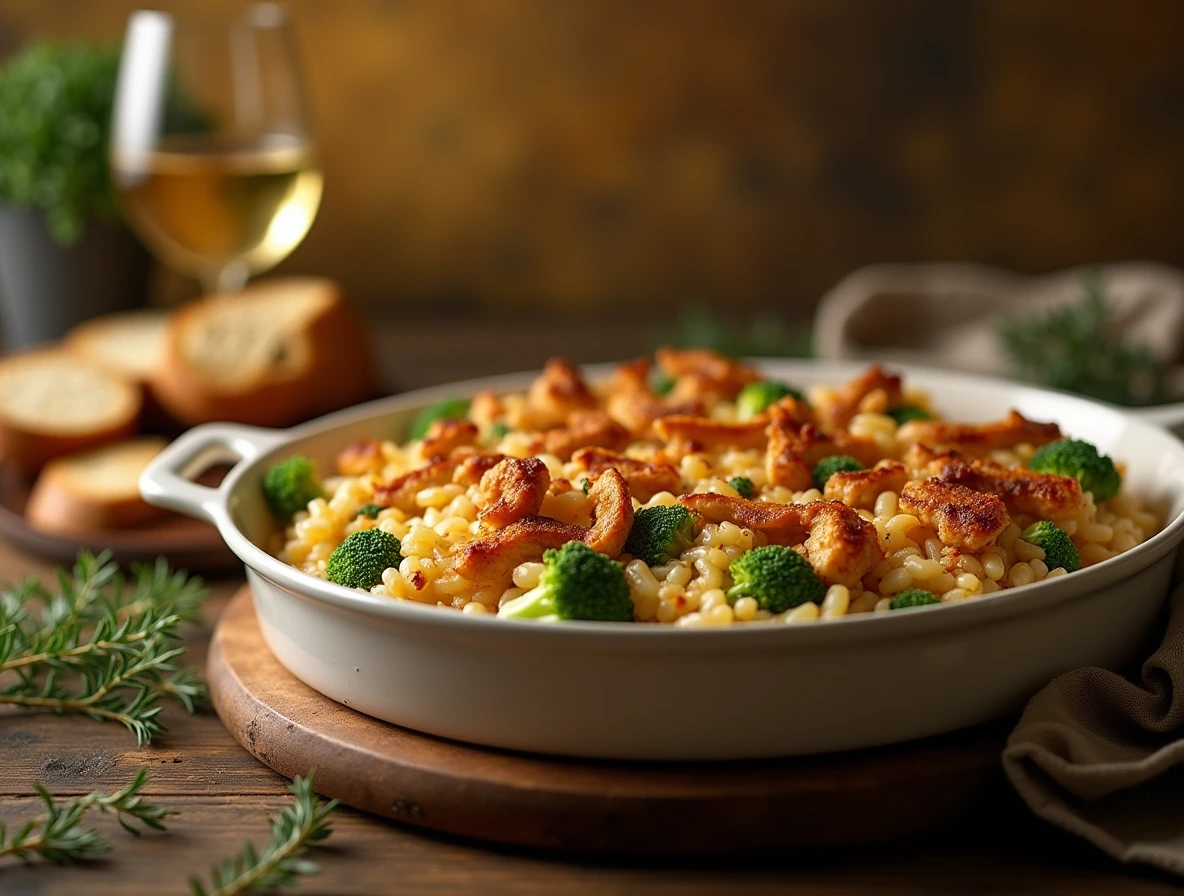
x=59, y=836
x=1078, y=348
x=101, y=645
x=301, y=825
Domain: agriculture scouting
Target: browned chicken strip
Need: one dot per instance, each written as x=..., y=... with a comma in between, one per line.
x=512, y=490
x=872, y=391
x=645, y=479
x=977, y=439
x=710, y=372
x=860, y=488
x=840, y=545
x=962, y=517
x=400, y=492
x=700, y=433
x=360, y=457
x=1023, y=491
x=612, y=513
x=486, y=408
x=471, y=467
x=490, y=560
x=794, y=448
x=586, y=429
x=557, y=392
x=445, y=436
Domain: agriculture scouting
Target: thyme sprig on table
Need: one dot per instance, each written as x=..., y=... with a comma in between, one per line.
x=59, y=836
x=298, y=826
x=100, y=644
x=1079, y=348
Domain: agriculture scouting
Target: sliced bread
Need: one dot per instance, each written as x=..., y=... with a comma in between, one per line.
x=278, y=352
x=53, y=402
x=94, y=490
x=131, y=343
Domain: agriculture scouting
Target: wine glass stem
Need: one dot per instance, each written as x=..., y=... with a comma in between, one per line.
x=228, y=278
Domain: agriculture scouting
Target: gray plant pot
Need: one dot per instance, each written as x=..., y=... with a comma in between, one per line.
x=45, y=288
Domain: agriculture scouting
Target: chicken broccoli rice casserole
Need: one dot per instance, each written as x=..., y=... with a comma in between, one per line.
x=686, y=490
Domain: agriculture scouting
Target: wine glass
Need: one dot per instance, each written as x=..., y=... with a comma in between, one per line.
x=212, y=152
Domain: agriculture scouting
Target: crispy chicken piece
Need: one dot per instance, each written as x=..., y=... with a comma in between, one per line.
x=699, y=433
x=557, y=392
x=978, y=439
x=860, y=488
x=794, y=448
x=645, y=479
x=512, y=490
x=586, y=429
x=486, y=408
x=632, y=404
x=612, y=513
x=840, y=545
x=445, y=436
x=471, y=466
x=360, y=457
x=962, y=517
x=702, y=373
x=489, y=560
x=1046, y=495
x=872, y=391
x=400, y=492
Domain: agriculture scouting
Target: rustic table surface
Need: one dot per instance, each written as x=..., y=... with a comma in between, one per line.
x=225, y=795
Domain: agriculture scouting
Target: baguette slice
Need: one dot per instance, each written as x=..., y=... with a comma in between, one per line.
x=130, y=343
x=53, y=402
x=280, y=351
x=96, y=489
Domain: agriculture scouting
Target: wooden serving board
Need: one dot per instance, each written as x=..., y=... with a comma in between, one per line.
x=869, y=796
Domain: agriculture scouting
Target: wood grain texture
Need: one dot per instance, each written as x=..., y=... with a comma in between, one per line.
x=225, y=794
x=619, y=807
x=620, y=154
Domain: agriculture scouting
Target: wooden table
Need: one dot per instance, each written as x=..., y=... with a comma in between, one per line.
x=225, y=795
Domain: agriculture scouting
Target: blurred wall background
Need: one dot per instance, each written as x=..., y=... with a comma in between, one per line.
x=581, y=154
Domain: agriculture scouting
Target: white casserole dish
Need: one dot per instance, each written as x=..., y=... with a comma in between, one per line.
x=654, y=692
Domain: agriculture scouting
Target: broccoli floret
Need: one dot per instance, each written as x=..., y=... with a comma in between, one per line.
x=1081, y=460
x=913, y=597
x=834, y=463
x=370, y=510
x=660, y=534
x=497, y=431
x=755, y=397
x=448, y=409
x=289, y=484
x=1058, y=547
x=907, y=413
x=778, y=577
x=585, y=485
x=360, y=560
x=576, y=583
x=743, y=485
x=663, y=384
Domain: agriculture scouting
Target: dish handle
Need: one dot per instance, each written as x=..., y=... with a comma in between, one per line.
x=167, y=480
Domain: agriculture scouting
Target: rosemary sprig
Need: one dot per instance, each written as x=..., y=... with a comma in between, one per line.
x=1078, y=348
x=100, y=644
x=299, y=826
x=58, y=836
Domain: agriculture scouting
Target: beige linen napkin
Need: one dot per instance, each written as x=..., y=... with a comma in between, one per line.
x=1100, y=756
x=944, y=315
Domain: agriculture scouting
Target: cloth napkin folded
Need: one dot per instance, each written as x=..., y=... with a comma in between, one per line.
x=1103, y=758
x=945, y=315
x=1094, y=753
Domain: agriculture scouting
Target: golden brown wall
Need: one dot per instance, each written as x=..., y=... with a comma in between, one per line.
x=586, y=152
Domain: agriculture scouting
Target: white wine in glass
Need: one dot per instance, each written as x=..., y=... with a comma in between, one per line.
x=211, y=150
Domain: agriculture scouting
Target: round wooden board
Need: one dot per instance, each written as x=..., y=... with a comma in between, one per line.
x=186, y=543
x=870, y=796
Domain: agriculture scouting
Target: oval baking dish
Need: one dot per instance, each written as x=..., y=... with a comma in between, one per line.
x=653, y=692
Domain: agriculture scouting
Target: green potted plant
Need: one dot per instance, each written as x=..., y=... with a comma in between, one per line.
x=64, y=253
